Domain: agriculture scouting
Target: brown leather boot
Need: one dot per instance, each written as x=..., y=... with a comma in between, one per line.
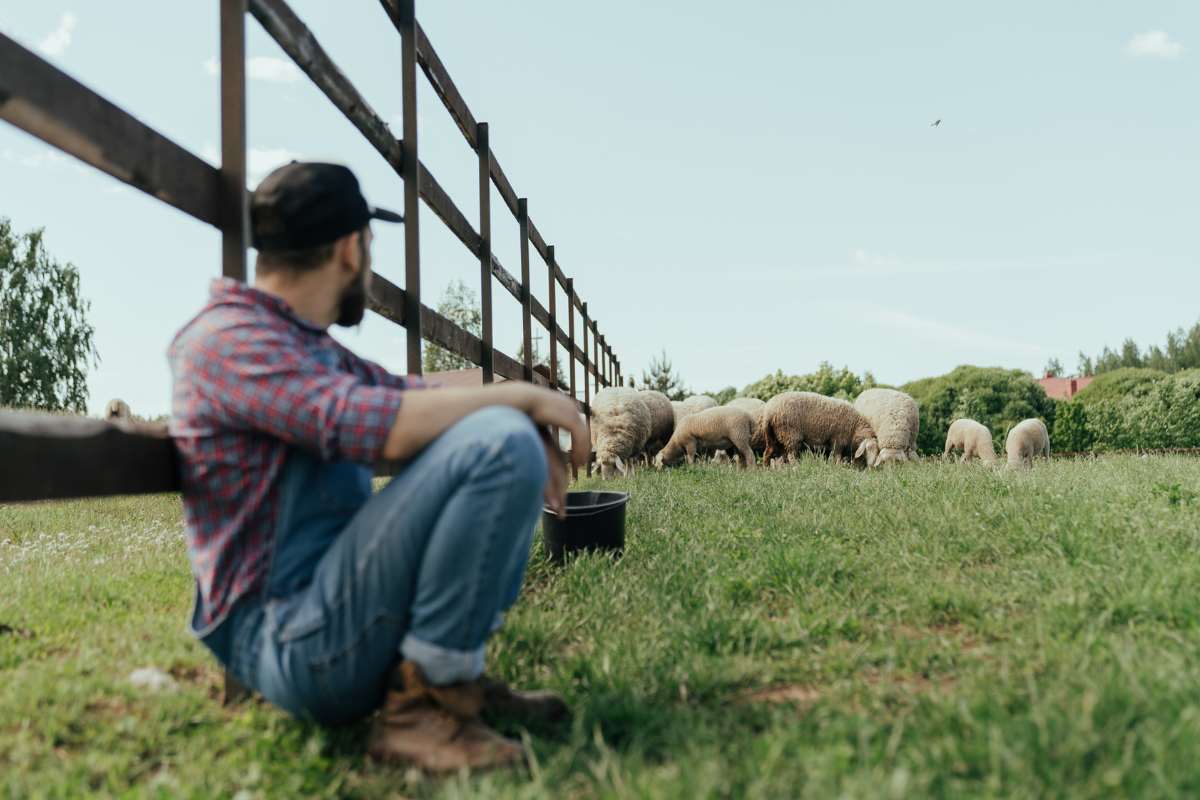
x=437, y=728
x=525, y=707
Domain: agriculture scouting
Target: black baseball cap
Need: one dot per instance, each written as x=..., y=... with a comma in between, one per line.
x=306, y=204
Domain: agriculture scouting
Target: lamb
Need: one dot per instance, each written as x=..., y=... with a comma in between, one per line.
x=662, y=422
x=722, y=427
x=972, y=439
x=793, y=421
x=895, y=419
x=1026, y=441
x=620, y=427
x=117, y=409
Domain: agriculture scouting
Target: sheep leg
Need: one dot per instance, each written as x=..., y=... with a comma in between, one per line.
x=965, y=460
x=690, y=447
x=747, y=456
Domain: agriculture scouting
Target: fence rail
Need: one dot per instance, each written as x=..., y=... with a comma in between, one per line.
x=40, y=99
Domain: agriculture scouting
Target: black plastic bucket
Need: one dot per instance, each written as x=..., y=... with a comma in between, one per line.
x=595, y=521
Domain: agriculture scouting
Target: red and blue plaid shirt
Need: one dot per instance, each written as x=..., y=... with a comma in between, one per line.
x=246, y=386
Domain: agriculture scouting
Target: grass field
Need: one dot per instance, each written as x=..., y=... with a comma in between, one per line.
x=923, y=631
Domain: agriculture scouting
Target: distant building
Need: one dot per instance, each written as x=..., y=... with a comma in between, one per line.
x=1064, y=388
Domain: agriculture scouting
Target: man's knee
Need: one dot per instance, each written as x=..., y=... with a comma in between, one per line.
x=516, y=439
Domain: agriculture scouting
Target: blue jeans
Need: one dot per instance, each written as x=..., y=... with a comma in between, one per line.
x=423, y=570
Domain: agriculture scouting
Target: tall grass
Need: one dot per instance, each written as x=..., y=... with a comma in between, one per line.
x=923, y=631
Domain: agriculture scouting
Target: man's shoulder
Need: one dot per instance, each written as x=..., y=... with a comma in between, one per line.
x=225, y=323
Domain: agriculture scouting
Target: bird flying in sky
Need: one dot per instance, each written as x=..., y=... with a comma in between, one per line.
x=934, y=125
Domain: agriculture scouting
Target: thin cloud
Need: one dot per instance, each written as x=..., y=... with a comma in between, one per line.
x=60, y=38
x=260, y=68
x=940, y=331
x=1155, y=44
x=48, y=159
x=876, y=267
x=861, y=257
x=259, y=160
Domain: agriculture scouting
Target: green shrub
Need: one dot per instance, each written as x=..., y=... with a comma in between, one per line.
x=1071, y=433
x=826, y=380
x=996, y=397
x=1166, y=414
x=1127, y=381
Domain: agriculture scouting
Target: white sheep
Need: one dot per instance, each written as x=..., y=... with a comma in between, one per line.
x=662, y=422
x=620, y=425
x=694, y=404
x=971, y=439
x=895, y=419
x=755, y=407
x=722, y=427
x=796, y=421
x=117, y=409
x=1026, y=441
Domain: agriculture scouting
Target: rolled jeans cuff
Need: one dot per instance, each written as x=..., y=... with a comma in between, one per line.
x=442, y=666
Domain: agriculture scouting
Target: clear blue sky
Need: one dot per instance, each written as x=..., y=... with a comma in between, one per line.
x=750, y=186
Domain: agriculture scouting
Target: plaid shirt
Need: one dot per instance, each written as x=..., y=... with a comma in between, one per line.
x=246, y=386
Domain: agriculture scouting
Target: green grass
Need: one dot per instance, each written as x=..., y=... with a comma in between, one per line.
x=922, y=631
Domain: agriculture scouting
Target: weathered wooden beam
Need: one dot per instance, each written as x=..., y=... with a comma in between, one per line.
x=278, y=19
x=48, y=456
x=43, y=101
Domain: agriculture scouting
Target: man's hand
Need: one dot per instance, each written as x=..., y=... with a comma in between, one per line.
x=557, y=475
x=426, y=413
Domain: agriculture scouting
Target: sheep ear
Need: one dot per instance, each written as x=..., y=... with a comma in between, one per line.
x=621, y=466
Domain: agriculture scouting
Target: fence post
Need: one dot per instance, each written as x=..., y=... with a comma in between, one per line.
x=233, y=211
x=485, y=248
x=526, y=294
x=571, y=333
x=412, y=201
x=587, y=394
x=553, y=319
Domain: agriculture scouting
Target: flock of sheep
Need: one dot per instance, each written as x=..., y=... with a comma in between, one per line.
x=879, y=427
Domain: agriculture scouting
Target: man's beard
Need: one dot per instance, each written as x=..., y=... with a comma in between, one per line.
x=352, y=304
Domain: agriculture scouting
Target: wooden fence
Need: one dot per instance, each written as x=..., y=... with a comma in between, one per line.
x=43, y=101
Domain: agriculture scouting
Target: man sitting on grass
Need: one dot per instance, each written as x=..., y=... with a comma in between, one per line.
x=328, y=600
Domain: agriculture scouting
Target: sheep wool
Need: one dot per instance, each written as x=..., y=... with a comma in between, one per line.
x=699, y=402
x=117, y=409
x=971, y=439
x=620, y=424
x=796, y=421
x=1027, y=441
x=755, y=408
x=719, y=428
x=662, y=422
x=895, y=419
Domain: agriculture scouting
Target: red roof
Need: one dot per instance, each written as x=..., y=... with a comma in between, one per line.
x=1064, y=388
x=459, y=377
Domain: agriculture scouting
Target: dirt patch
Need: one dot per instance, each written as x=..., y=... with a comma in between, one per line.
x=783, y=695
x=20, y=633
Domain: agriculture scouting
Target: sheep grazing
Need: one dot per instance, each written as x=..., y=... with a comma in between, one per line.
x=117, y=409
x=662, y=422
x=722, y=427
x=795, y=421
x=895, y=419
x=971, y=439
x=696, y=403
x=755, y=408
x=620, y=427
x=1026, y=441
